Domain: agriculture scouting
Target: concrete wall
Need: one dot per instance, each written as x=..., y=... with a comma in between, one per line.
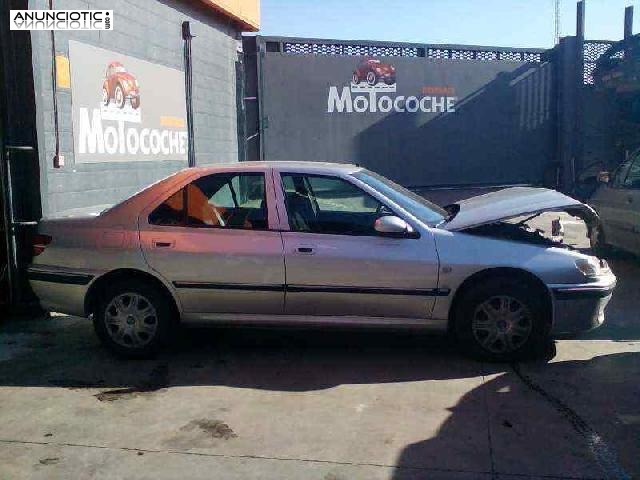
x=149, y=30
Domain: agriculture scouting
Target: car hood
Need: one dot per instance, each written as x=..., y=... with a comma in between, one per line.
x=513, y=202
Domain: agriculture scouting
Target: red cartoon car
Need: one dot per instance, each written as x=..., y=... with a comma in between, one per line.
x=374, y=71
x=120, y=85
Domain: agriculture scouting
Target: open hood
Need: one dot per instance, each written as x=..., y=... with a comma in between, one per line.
x=513, y=202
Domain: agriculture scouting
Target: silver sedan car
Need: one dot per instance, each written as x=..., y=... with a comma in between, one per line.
x=301, y=243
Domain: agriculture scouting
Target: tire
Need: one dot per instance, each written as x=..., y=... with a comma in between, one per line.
x=131, y=329
x=105, y=97
x=507, y=310
x=355, y=78
x=372, y=79
x=135, y=102
x=119, y=96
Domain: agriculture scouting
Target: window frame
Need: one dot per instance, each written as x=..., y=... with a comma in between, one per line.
x=185, y=202
x=394, y=212
x=635, y=161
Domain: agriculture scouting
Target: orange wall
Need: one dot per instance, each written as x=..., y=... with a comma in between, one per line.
x=246, y=12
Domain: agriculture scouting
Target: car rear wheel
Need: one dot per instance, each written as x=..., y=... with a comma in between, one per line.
x=355, y=79
x=135, y=102
x=119, y=96
x=501, y=319
x=133, y=319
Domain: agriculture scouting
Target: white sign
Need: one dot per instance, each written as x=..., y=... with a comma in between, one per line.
x=61, y=19
x=124, y=108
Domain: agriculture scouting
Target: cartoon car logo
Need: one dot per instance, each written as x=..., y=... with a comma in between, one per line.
x=374, y=71
x=120, y=85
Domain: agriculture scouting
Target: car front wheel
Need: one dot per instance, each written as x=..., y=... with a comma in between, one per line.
x=119, y=96
x=105, y=96
x=133, y=319
x=501, y=319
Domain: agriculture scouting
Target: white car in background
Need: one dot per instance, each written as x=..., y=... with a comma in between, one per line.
x=617, y=202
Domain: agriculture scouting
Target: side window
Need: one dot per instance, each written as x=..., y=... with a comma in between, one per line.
x=633, y=175
x=621, y=174
x=330, y=205
x=223, y=200
x=171, y=211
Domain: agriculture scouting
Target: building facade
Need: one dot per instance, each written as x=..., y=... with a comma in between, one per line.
x=90, y=117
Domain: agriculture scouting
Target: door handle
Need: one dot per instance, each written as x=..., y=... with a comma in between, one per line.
x=305, y=250
x=163, y=244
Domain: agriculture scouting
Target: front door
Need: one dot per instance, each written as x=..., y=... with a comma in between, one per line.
x=618, y=204
x=212, y=241
x=338, y=265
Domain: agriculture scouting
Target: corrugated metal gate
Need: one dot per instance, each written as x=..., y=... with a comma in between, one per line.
x=430, y=115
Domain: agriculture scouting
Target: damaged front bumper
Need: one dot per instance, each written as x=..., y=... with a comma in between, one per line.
x=581, y=307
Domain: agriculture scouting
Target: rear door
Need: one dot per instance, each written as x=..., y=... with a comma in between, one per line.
x=338, y=265
x=213, y=240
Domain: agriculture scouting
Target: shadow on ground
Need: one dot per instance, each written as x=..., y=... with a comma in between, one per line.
x=577, y=419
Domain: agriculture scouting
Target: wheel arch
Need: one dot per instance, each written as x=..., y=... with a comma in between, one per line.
x=509, y=272
x=98, y=286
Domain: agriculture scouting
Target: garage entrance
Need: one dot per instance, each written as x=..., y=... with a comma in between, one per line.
x=19, y=168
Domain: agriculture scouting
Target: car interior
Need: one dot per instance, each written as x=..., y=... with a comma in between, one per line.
x=219, y=201
x=329, y=205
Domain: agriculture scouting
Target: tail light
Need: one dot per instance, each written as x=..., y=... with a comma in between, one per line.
x=40, y=242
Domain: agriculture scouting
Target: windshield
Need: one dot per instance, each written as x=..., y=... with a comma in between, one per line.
x=423, y=209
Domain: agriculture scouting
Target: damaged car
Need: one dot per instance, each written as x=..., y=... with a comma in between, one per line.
x=319, y=244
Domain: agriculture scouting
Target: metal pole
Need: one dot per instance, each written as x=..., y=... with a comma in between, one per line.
x=576, y=154
x=4, y=180
x=580, y=21
x=628, y=22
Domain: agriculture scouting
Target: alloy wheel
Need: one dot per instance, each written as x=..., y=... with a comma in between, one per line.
x=131, y=320
x=502, y=324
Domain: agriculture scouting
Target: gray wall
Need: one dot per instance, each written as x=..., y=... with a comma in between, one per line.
x=502, y=132
x=150, y=30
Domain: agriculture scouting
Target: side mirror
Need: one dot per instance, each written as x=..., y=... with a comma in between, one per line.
x=603, y=177
x=392, y=226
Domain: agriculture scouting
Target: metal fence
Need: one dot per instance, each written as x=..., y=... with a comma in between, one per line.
x=592, y=51
x=437, y=51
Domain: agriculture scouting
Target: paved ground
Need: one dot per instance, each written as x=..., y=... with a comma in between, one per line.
x=237, y=404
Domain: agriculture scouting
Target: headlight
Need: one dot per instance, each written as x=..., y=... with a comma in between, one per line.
x=592, y=267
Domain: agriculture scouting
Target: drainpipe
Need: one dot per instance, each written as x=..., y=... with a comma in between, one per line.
x=54, y=76
x=188, y=88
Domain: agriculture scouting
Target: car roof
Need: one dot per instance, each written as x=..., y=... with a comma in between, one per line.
x=296, y=166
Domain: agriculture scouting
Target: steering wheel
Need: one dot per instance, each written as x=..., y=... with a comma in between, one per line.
x=383, y=210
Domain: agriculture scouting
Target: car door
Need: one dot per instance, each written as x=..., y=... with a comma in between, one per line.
x=338, y=265
x=212, y=239
x=629, y=238
x=617, y=205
